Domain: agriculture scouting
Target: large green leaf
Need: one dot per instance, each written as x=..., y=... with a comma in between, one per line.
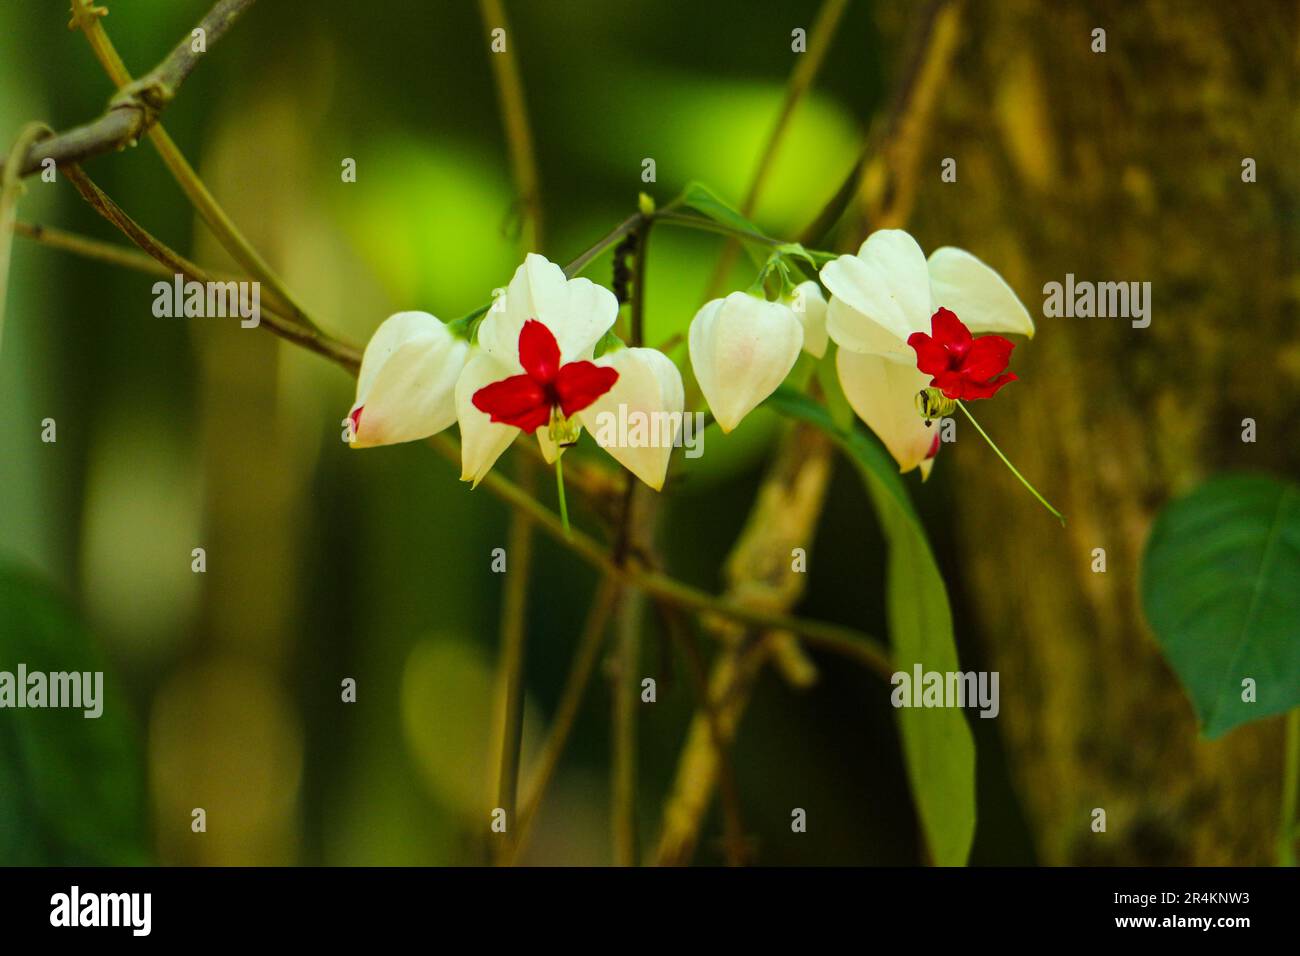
x=71, y=787
x=1221, y=589
x=937, y=742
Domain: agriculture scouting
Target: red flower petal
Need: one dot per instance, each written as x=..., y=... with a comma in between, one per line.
x=931, y=357
x=989, y=355
x=581, y=383
x=961, y=366
x=356, y=419
x=950, y=332
x=971, y=390
x=517, y=400
x=952, y=384
x=539, y=353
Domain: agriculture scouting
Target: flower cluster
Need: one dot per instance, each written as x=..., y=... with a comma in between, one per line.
x=883, y=301
x=531, y=370
x=902, y=326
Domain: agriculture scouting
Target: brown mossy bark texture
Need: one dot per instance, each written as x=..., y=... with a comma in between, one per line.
x=1123, y=165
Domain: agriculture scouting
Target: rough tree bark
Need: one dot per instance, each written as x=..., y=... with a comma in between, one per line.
x=1122, y=165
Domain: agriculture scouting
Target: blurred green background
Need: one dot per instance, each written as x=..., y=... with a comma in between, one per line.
x=323, y=563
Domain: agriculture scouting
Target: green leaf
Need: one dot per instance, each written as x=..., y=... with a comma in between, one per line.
x=837, y=403
x=815, y=258
x=71, y=787
x=937, y=742
x=707, y=203
x=1221, y=590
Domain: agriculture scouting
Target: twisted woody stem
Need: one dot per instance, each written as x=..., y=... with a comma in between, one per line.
x=137, y=109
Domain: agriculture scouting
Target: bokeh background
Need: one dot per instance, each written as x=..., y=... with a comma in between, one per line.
x=324, y=563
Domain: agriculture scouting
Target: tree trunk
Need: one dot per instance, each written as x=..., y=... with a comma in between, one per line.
x=1123, y=165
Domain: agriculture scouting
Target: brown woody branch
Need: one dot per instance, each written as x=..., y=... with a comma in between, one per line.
x=338, y=352
x=136, y=108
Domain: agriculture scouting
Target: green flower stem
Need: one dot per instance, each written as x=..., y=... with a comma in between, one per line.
x=514, y=116
x=625, y=687
x=635, y=531
x=1032, y=490
x=1288, y=830
x=11, y=188
x=108, y=252
x=611, y=238
x=86, y=16
x=566, y=712
x=467, y=325
x=834, y=638
x=640, y=221
x=277, y=323
x=510, y=673
x=800, y=82
x=559, y=490
x=711, y=225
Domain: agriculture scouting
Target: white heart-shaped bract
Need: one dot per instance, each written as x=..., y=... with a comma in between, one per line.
x=883, y=294
x=577, y=311
x=742, y=348
x=883, y=394
x=407, y=382
x=638, y=420
x=482, y=440
x=978, y=295
x=809, y=307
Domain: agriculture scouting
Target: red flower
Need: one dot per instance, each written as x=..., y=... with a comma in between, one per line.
x=525, y=401
x=963, y=367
